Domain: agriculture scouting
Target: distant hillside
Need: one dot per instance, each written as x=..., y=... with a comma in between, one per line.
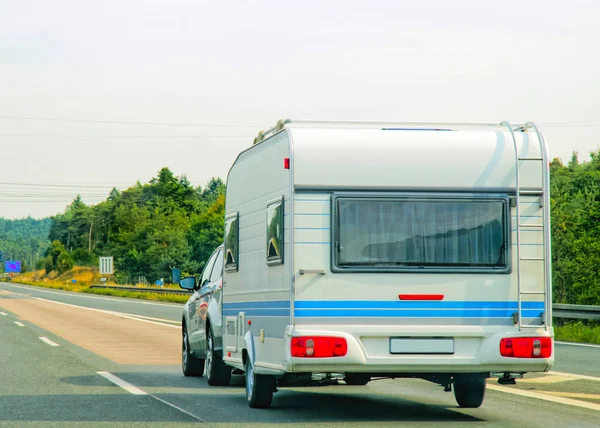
x=24, y=239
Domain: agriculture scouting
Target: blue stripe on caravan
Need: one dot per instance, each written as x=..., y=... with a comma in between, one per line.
x=408, y=313
x=374, y=304
x=267, y=304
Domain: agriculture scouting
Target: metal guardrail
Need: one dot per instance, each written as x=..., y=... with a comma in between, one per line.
x=143, y=289
x=581, y=312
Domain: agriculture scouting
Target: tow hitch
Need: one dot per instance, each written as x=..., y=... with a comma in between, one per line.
x=508, y=378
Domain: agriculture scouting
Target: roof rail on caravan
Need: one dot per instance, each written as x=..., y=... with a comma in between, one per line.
x=262, y=135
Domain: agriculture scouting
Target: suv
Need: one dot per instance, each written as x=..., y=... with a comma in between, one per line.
x=201, y=324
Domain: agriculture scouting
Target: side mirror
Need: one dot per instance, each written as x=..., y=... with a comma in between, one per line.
x=188, y=283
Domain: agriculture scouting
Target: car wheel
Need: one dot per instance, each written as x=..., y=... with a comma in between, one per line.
x=470, y=391
x=357, y=379
x=191, y=366
x=259, y=388
x=217, y=372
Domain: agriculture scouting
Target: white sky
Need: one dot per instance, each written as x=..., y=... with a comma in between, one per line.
x=252, y=63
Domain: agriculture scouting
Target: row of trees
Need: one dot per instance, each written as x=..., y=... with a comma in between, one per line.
x=575, y=199
x=24, y=239
x=148, y=229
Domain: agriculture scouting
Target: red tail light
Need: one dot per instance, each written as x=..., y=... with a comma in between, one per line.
x=526, y=347
x=319, y=347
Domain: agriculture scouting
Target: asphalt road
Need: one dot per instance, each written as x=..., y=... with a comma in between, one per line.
x=46, y=385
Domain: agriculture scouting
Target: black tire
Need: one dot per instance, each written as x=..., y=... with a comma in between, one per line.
x=470, y=391
x=259, y=388
x=191, y=366
x=217, y=372
x=357, y=379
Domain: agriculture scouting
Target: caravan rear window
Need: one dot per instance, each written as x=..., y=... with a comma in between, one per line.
x=421, y=234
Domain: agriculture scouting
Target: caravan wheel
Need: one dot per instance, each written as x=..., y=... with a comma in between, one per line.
x=470, y=391
x=259, y=388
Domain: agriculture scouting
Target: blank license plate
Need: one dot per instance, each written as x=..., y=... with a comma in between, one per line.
x=421, y=345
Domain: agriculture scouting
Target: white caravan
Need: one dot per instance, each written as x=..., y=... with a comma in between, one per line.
x=388, y=250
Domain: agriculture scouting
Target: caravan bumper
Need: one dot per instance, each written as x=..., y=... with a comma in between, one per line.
x=451, y=349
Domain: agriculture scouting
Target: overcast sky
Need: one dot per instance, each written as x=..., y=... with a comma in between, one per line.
x=251, y=63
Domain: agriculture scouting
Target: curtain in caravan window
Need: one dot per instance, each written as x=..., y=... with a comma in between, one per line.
x=374, y=232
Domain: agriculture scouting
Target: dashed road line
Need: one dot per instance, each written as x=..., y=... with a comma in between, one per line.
x=122, y=383
x=20, y=324
x=3, y=314
x=48, y=341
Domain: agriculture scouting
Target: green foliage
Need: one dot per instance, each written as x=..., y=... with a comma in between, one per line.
x=24, y=239
x=575, y=205
x=148, y=229
x=64, y=262
x=82, y=257
x=48, y=264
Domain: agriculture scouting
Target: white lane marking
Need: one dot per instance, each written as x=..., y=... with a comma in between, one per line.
x=137, y=391
x=83, y=296
x=20, y=324
x=48, y=341
x=149, y=318
x=178, y=408
x=123, y=384
x=575, y=376
x=554, y=399
x=587, y=345
x=3, y=314
x=119, y=314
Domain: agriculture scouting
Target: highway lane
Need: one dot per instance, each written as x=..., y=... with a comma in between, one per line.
x=568, y=358
x=161, y=310
x=92, y=341
x=50, y=386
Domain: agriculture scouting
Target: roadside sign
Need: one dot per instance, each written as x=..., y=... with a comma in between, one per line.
x=106, y=265
x=12, y=266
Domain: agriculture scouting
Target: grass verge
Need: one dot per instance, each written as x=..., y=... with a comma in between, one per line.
x=157, y=297
x=577, y=332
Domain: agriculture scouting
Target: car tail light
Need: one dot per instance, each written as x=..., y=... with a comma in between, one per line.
x=526, y=347
x=319, y=347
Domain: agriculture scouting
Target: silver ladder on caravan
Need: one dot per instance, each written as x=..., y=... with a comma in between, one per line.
x=544, y=227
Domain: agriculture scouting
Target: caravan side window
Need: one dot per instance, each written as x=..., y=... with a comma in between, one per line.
x=232, y=244
x=275, y=232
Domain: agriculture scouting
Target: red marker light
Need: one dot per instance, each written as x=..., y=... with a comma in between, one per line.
x=249, y=322
x=286, y=163
x=421, y=296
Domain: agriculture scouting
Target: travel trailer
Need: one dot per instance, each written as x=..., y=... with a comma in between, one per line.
x=398, y=250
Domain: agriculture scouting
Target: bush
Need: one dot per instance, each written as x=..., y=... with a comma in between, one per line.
x=48, y=265
x=64, y=263
x=82, y=257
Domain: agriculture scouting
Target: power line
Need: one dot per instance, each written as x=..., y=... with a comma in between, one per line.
x=570, y=122
x=589, y=125
x=69, y=186
x=123, y=122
